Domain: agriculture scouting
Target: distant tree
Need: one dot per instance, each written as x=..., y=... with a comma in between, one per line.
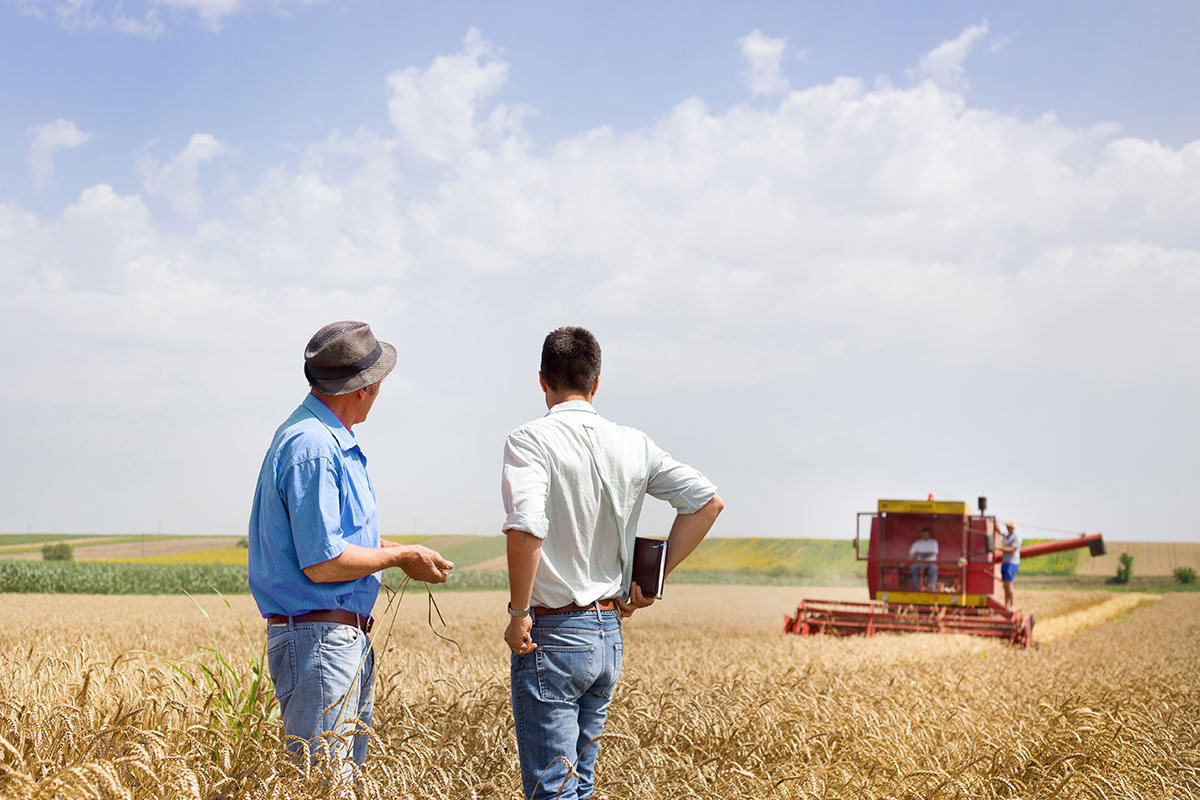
x=1125, y=568
x=60, y=551
x=243, y=542
x=1185, y=574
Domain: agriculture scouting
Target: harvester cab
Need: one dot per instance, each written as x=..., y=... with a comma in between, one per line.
x=932, y=565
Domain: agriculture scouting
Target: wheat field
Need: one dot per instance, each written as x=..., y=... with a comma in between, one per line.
x=714, y=702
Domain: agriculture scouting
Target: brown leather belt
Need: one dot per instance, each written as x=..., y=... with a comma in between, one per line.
x=605, y=605
x=337, y=615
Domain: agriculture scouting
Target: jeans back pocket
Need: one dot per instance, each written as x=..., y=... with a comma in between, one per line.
x=565, y=672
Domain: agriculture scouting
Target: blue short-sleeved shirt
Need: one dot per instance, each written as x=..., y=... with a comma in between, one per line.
x=313, y=498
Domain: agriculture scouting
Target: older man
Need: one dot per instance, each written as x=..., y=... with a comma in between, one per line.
x=573, y=486
x=315, y=550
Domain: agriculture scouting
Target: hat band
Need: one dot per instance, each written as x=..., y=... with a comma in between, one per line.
x=333, y=373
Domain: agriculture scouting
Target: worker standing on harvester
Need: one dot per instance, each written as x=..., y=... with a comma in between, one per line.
x=1011, y=561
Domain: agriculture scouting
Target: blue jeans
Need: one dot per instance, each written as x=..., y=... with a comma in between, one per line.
x=560, y=696
x=324, y=675
x=930, y=569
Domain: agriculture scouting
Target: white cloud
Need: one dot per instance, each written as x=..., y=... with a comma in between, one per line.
x=93, y=15
x=737, y=255
x=44, y=141
x=211, y=12
x=856, y=217
x=76, y=15
x=150, y=26
x=944, y=64
x=764, y=57
x=436, y=110
x=175, y=180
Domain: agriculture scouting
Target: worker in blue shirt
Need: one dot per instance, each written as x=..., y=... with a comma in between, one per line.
x=316, y=553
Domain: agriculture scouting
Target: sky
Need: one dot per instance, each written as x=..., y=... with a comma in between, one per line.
x=832, y=252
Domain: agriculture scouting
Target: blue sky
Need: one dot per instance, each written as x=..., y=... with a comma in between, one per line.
x=834, y=252
x=266, y=77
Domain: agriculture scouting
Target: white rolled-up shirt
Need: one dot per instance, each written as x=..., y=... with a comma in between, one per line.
x=552, y=488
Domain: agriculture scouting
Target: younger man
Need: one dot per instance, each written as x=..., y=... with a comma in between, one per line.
x=573, y=486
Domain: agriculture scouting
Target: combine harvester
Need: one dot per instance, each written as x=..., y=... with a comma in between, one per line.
x=963, y=599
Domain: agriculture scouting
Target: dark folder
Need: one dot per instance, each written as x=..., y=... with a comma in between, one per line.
x=650, y=565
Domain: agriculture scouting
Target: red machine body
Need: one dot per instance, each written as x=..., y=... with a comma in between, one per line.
x=905, y=595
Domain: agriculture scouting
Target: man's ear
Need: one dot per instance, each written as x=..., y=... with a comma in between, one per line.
x=595, y=386
x=542, y=381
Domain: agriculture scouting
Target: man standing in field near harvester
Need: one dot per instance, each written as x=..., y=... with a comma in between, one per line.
x=1010, y=562
x=315, y=550
x=573, y=485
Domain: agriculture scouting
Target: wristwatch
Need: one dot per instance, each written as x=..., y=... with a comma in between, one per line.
x=514, y=612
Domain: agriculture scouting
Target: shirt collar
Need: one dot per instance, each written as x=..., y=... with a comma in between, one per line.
x=345, y=438
x=573, y=405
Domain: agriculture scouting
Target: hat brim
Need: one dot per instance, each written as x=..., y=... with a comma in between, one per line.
x=360, y=380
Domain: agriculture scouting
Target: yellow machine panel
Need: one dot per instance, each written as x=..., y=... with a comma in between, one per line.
x=934, y=599
x=955, y=507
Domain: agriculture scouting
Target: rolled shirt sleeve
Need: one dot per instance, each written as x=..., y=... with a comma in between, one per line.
x=684, y=487
x=313, y=500
x=525, y=481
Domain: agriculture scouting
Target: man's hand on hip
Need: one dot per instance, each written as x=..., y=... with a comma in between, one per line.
x=517, y=635
x=423, y=564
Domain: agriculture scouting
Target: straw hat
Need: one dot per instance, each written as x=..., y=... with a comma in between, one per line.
x=344, y=357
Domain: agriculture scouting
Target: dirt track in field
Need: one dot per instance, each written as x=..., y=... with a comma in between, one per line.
x=153, y=547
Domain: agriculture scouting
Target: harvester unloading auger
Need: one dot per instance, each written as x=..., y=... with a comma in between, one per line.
x=961, y=599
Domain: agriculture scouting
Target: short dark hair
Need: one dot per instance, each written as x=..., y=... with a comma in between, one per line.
x=570, y=360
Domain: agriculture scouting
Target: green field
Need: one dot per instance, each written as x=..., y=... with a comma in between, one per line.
x=100, y=577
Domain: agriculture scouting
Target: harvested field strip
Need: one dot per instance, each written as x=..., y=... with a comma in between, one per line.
x=1111, y=608
x=76, y=542
x=11, y=540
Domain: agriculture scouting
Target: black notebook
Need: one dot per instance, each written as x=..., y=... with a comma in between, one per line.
x=650, y=565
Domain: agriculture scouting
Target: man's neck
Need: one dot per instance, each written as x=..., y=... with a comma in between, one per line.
x=554, y=398
x=339, y=405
